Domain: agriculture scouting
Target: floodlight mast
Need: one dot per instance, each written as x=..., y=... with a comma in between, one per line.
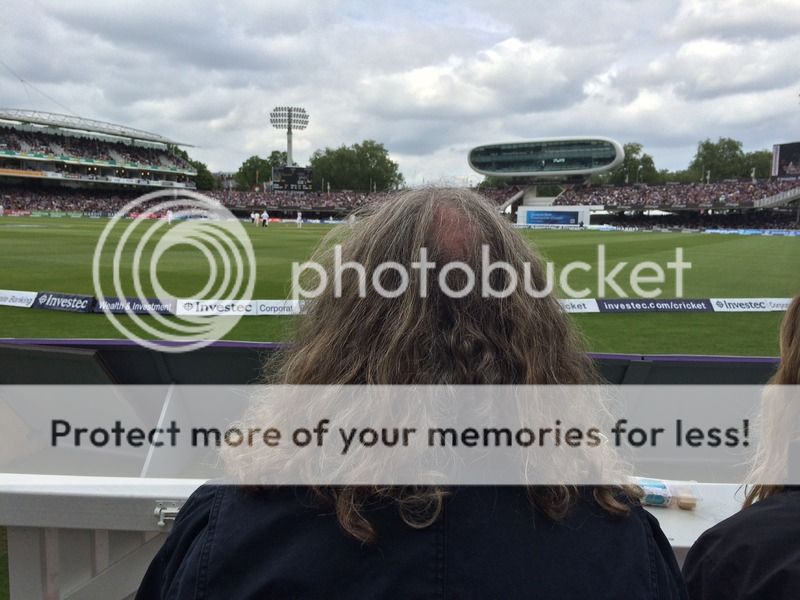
x=289, y=118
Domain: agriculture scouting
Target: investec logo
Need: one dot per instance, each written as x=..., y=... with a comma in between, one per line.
x=741, y=305
x=69, y=302
x=210, y=307
x=750, y=304
x=241, y=308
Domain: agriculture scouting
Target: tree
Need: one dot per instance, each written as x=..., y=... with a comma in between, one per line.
x=492, y=182
x=277, y=159
x=724, y=159
x=680, y=176
x=254, y=171
x=204, y=180
x=761, y=161
x=361, y=167
x=636, y=167
x=629, y=169
x=647, y=172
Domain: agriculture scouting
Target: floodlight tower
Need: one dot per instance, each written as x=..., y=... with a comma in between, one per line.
x=289, y=118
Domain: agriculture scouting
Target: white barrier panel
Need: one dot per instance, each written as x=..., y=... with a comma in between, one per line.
x=17, y=298
x=397, y=435
x=94, y=537
x=251, y=308
x=580, y=306
x=278, y=308
x=750, y=304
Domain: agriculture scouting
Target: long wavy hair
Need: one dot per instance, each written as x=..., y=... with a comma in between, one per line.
x=778, y=421
x=425, y=336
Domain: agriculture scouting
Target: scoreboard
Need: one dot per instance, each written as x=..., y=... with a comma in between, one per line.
x=786, y=160
x=291, y=179
x=552, y=217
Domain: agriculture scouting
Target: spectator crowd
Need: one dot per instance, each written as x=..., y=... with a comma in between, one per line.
x=738, y=194
x=341, y=200
x=87, y=148
x=755, y=219
x=36, y=198
x=64, y=199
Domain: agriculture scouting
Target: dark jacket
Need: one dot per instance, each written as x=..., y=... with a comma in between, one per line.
x=236, y=544
x=754, y=554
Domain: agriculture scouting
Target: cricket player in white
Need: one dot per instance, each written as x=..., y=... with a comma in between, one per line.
x=299, y=219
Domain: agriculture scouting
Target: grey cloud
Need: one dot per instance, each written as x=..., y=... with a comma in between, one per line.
x=709, y=68
x=427, y=79
x=738, y=20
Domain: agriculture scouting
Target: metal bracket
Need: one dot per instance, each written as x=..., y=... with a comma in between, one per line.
x=167, y=510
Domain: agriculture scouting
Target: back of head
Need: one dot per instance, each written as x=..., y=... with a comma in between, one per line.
x=429, y=334
x=789, y=370
x=779, y=417
x=444, y=328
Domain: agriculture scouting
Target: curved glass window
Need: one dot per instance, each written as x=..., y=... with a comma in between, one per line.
x=545, y=156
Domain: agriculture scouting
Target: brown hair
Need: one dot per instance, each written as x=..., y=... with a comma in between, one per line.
x=432, y=338
x=776, y=423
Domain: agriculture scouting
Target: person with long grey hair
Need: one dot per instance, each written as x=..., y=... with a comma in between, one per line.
x=379, y=541
x=755, y=553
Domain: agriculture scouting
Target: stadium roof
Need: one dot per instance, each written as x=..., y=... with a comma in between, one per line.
x=80, y=124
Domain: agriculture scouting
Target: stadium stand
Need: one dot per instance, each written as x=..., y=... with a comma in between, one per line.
x=20, y=199
x=727, y=194
x=36, y=198
x=37, y=145
x=57, y=145
x=23, y=200
x=754, y=219
x=27, y=199
x=342, y=200
x=500, y=196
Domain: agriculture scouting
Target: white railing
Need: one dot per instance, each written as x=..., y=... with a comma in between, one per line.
x=510, y=201
x=93, y=537
x=777, y=199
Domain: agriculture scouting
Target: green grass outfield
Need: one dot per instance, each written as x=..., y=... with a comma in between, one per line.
x=55, y=255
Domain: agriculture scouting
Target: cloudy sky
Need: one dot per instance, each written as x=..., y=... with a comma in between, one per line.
x=428, y=79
